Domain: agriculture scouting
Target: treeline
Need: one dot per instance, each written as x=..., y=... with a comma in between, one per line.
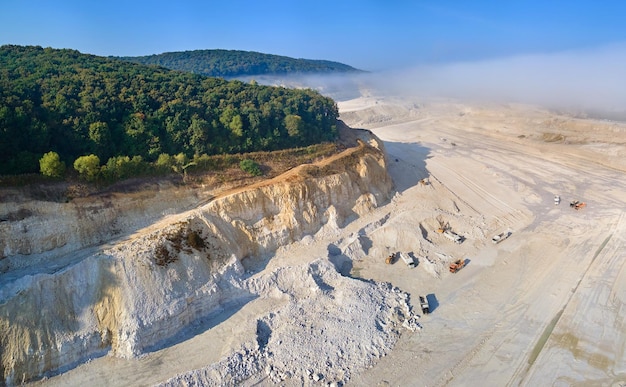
x=75, y=105
x=90, y=168
x=234, y=63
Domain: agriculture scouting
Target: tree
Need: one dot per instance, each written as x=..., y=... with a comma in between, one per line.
x=81, y=104
x=199, y=130
x=88, y=167
x=236, y=126
x=165, y=162
x=117, y=168
x=100, y=135
x=293, y=123
x=51, y=165
x=181, y=163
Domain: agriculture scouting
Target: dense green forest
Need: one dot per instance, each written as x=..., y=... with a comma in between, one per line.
x=233, y=63
x=73, y=104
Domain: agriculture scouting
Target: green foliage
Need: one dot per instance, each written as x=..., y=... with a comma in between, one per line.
x=88, y=167
x=81, y=104
x=215, y=163
x=165, y=162
x=251, y=167
x=51, y=165
x=293, y=123
x=180, y=160
x=233, y=63
x=22, y=162
x=236, y=126
x=100, y=137
x=122, y=167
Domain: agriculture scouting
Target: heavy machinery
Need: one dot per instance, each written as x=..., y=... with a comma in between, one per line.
x=410, y=262
x=444, y=228
x=577, y=205
x=500, y=237
x=456, y=238
x=390, y=259
x=457, y=265
x=424, y=304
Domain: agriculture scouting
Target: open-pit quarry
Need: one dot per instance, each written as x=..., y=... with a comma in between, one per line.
x=286, y=281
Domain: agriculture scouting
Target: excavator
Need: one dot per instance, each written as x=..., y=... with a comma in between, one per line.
x=445, y=230
x=443, y=226
x=577, y=205
x=390, y=259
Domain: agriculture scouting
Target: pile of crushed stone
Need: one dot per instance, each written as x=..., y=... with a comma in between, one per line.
x=329, y=328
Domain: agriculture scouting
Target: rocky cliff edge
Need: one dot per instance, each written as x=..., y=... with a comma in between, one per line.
x=65, y=298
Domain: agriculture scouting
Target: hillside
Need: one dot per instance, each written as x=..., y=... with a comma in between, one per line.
x=76, y=104
x=234, y=63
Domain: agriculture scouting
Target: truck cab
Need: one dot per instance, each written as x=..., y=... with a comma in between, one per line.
x=410, y=262
x=424, y=304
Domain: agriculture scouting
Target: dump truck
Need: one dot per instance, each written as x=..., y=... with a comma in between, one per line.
x=445, y=229
x=500, y=237
x=457, y=265
x=577, y=205
x=410, y=262
x=453, y=236
x=424, y=304
x=557, y=200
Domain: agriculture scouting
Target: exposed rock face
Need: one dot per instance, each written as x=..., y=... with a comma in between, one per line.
x=64, y=303
x=38, y=230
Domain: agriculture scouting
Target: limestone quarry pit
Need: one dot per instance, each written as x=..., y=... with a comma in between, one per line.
x=285, y=282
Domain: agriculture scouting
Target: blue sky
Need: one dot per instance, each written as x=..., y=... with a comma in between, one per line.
x=371, y=35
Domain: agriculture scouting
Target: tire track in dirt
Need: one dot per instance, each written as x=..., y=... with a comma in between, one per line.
x=462, y=364
x=524, y=370
x=501, y=206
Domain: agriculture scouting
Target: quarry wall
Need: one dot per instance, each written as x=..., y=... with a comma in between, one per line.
x=66, y=298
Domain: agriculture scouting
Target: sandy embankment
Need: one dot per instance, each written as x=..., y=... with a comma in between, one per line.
x=543, y=307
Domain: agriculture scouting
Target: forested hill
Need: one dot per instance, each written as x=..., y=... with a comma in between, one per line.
x=77, y=104
x=233, y=63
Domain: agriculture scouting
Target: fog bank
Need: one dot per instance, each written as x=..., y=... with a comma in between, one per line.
x=585, y=79
x=589, y=82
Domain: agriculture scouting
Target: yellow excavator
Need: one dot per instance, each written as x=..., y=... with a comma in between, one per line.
x=390, y=259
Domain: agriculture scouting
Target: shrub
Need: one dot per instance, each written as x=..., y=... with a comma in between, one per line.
x=251, y=167
x=162, y=256
x=195, y=240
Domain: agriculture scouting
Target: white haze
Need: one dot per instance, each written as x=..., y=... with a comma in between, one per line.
x=589, y=81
